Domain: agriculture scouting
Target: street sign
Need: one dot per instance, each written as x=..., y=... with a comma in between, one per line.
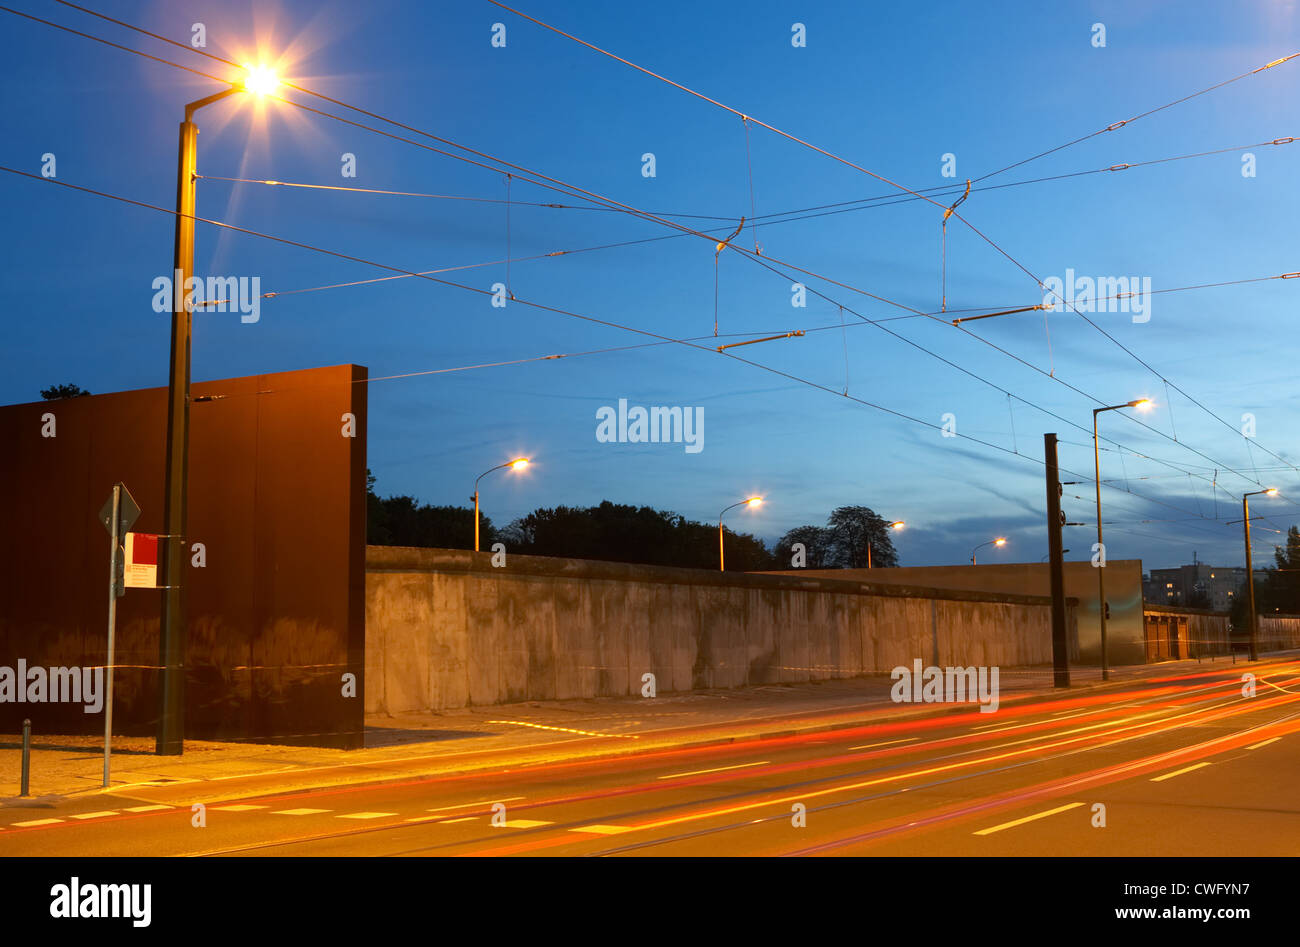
x=141, y=561
x=127, y=515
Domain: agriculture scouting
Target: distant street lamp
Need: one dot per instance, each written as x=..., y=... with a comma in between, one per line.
x=897, y=524
x=171, y=640
x=1141, y=404
x=1250, y=572
x=1000, y=541
x=519, y=463
x=752, y=501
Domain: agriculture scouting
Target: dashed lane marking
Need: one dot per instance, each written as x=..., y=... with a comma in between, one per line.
x=471, y=805
x=602, y=829
x=1177, y=772
x=94, y=815
x=23, y=825
x=146, y=808
x=1029, y=818
x=718, y=769
x=1256, y=746
x=300, y=811
x=523, y=823
x=366, y=815
x=867, y=746
x=238, y=808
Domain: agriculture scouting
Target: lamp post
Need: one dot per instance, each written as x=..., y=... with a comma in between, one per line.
x=172, y=632
x=1141, y=404
x=1000, y=541
x=722, y=559
x=1250, y=572
x=519, y=463
x=897, y=524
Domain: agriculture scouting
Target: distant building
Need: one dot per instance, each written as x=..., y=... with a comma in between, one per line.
x=1197, y=585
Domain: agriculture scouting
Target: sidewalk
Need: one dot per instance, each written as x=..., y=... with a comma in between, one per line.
x=464, y=740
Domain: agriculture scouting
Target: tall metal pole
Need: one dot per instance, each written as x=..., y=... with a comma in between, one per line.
x=1101, y=550
x=172, y=630
x=722, y=556
x=476, y=518
x=171, y=644
x=115, y=535
x=1060, y=640
x=1250, y=581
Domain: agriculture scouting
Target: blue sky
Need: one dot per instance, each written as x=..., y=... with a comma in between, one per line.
x=890, y=87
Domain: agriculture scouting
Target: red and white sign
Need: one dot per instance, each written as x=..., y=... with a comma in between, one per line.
x=141, y=561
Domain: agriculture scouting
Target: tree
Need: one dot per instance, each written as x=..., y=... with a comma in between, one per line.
x=402, y=521
x=852, y=528
x=817, y=542
x=623, y=533
x=63, y=391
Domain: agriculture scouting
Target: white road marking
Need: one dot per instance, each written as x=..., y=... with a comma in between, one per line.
x=470, y=805
x=238, y=808
x=1029, y=818
x=602, y=829
x=468, y=818
x=524, y=823
x=37, y=822
x=1256, y=746
x=867, y=746
x=300, y=811
x=719, y=769
x=146, y=808
x=1178, y=772
x=94, y=815
x=365, y=815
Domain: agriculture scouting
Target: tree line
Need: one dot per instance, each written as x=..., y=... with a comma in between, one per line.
x=616, y=532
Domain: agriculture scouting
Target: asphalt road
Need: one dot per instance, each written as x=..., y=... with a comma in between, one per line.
x=1163, y=766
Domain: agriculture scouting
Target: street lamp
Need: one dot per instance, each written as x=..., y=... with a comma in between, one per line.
x=751, y=501
x=897, y=524
x=1141, y=404
x=1000, y=541
x=519, y=463
x=171, y=639
x=1250, y=572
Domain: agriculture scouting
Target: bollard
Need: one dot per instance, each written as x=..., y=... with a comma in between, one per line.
x=27, y=757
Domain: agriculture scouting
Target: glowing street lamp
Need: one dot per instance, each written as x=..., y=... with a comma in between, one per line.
x=1000, y=541
x=897, y=524
x=751, y=501
x=519, y=463
x=1142, y=404
x=1250, y=571
x=171, y=647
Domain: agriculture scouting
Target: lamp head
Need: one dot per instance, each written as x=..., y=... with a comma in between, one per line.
x=897, y=524
x=1271, y=492
x=1142, y=404
x=1000, y=541
x=260, y=80
x=519, y=464
x=754, y=501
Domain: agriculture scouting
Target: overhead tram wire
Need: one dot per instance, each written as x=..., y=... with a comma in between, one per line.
x=445, y=197
x=558, y=311
x=901, y=187
x=1129, y=121
x=592, y=195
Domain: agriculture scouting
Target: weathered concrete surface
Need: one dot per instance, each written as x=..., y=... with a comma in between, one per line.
x=445, y=629
x=1279, y=632
x=1125, y=642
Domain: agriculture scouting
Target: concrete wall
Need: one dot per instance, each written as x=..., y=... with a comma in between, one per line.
x=1177, y=633
x=445, y=629
x=1279, y=632
x=1124, y=630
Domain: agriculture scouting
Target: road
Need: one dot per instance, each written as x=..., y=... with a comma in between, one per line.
x=1168, y=766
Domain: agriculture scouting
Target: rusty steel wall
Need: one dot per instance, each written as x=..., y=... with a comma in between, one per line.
x=277, y=497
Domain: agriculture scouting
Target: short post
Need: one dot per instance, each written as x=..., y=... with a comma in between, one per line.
x=27, y=758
